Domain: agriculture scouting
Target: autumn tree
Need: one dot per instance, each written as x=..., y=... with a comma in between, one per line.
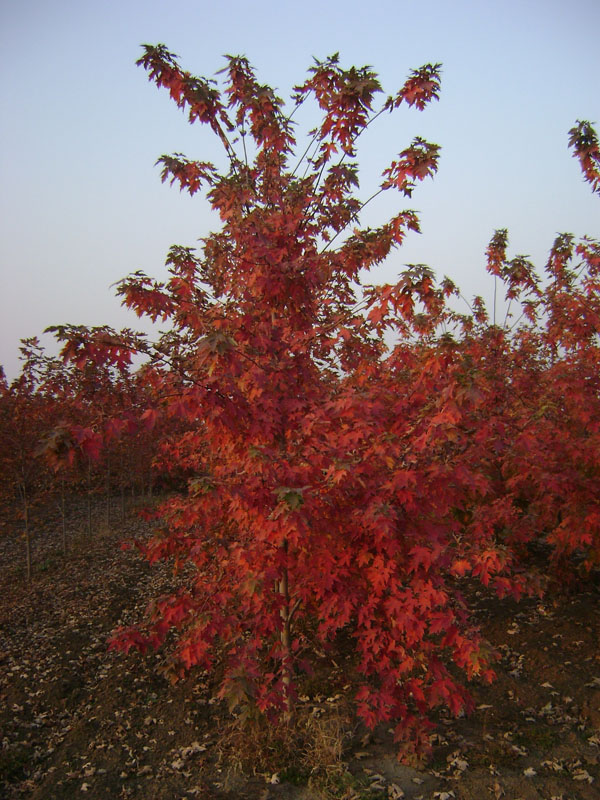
x=535, y=436
x=321, y=501
x=27, y=410
x=531, y=437
x=102, y=443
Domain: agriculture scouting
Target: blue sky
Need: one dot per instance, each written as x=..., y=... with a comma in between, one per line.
x=81, y=203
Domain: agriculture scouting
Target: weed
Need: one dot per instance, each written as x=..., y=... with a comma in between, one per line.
x=294, y=774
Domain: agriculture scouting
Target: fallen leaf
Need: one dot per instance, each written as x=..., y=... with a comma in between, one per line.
x=395, y=792
x=497, y=790
x=582, y=775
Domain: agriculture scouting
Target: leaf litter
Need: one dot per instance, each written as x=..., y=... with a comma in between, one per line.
x=76, y=719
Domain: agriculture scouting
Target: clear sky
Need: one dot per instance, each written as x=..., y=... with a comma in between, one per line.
x=81, y=203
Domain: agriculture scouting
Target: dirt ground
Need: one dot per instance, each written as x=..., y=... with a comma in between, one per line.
x=79, y=721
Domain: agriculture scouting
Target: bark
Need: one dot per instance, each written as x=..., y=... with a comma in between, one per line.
x=122, y=481
x=89, y=498
x=286, y=640
x=107, y=491
x=63, y=516
x=26, y=532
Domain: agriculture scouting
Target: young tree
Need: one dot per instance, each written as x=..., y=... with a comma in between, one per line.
x=101, y=443
x=536, y=440
x=26, y=413
x=532, y=436
x=324, y=501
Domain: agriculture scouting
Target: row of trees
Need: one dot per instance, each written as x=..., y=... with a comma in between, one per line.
x=353, y=452
x=71, y=432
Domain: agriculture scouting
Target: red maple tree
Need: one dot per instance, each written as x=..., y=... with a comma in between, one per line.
x=322, y=502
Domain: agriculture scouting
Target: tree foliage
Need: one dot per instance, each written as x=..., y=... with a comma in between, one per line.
x=584, y=141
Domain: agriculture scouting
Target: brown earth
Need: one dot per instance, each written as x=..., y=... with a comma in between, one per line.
x=79, y=721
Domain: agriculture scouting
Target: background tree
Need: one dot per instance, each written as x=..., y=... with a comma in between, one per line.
x=27, y=410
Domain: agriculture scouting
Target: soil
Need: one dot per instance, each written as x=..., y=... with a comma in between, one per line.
x=79, y=721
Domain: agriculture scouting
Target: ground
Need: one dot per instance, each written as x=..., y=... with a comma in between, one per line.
x=79, y=721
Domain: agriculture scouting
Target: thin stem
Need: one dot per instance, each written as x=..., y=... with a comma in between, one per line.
x=466, y=302
x=303, y=156
x=26, y=531
x=89, y=497
x=63, y=516
x=352, y=219
x=507, y=314
x=107, y=490
x=286, y=636
x=243, y=135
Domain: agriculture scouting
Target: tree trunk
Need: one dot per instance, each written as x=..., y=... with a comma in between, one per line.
x=107, y=491
x=89, y=498
x=122, y=481
x=286, y=639
x=63, y=516
x=26, y=531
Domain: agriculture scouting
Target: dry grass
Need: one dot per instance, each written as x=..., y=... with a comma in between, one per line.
x=313, y=743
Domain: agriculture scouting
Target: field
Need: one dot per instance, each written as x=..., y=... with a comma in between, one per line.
x=79, y=721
